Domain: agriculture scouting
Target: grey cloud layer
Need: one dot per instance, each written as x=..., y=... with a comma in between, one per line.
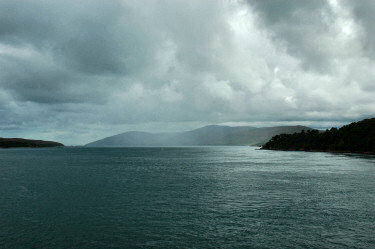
x=76, y=70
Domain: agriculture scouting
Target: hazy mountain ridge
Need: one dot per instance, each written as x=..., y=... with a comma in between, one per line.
x=209, y=135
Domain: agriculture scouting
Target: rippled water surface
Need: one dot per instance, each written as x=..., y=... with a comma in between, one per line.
x=187, y=197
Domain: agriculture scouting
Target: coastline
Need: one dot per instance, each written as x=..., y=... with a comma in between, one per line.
x=327, y=151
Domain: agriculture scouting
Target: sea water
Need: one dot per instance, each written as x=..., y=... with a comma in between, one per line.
x=185, y=197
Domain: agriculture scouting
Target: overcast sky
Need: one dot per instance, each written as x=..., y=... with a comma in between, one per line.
x=77, y=71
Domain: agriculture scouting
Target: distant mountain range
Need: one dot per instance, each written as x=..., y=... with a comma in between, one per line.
x=20, y=142
x=212, y=135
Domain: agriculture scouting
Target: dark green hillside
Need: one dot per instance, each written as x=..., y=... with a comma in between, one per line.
x=22, y=143
x=355, y=137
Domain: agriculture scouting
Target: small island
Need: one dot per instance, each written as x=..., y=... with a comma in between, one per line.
x=26, y=143
x=357, y=137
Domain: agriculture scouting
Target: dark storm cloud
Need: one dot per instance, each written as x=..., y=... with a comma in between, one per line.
x=74, y=29
x=288, y=10
x=78, y=70
x=56, y=45
x=301, y=24
x=308, y=26
x=364, y=13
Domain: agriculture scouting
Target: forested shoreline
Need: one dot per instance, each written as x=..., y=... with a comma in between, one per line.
x=357, y=137
x=28, y=143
